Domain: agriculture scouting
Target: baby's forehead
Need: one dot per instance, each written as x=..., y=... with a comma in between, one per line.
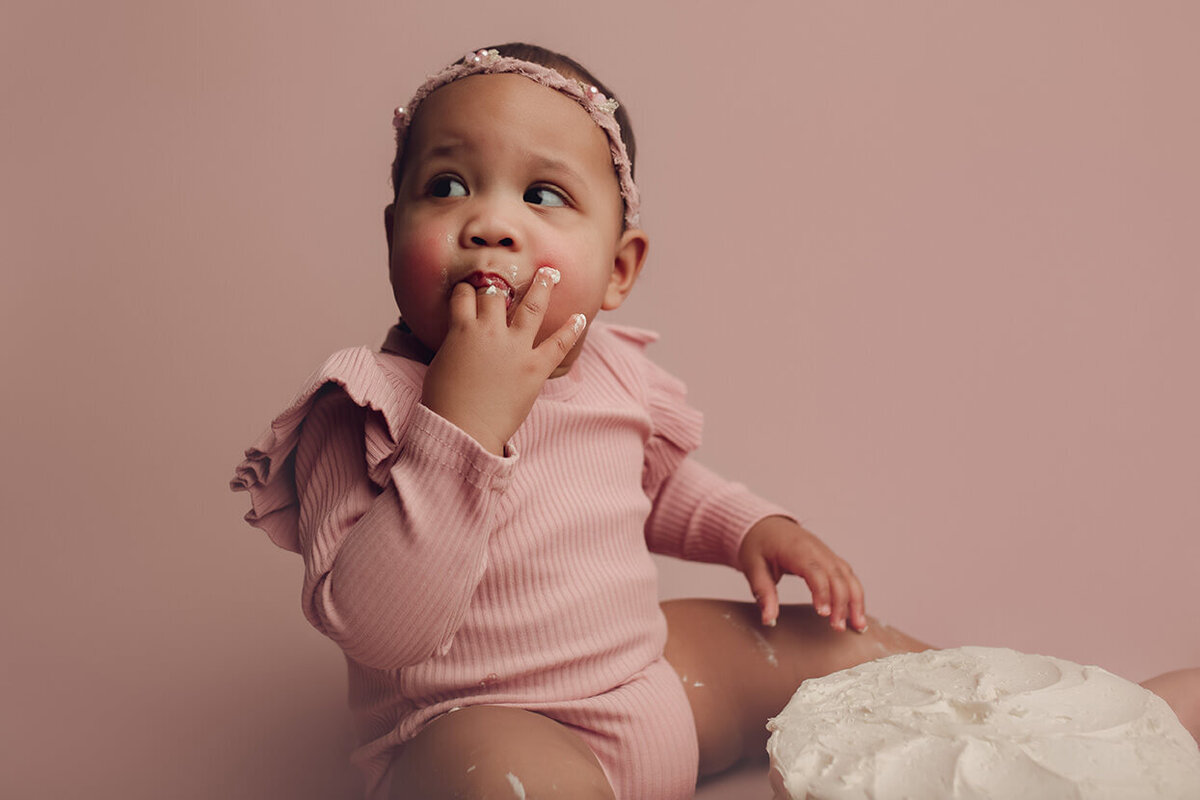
x=505, y=93
x=507, y=110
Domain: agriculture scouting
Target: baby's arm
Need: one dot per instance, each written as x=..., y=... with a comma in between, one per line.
x=389, y=574
x=700, y=516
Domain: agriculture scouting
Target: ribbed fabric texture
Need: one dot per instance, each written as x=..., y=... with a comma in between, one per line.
x=450, y=576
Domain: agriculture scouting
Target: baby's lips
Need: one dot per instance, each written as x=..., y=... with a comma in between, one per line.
x=492, y=283
x=482, y=280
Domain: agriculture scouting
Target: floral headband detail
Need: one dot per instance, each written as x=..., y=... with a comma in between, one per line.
x=600, y=108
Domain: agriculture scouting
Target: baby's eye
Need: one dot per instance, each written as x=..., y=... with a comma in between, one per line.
x=544, y=196
x=447, y=186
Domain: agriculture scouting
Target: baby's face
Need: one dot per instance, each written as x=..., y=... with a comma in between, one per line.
x=504, y=176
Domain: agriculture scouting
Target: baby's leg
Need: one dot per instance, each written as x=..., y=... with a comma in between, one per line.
x=1181, y=690
x=737, y=672
x=492, y=752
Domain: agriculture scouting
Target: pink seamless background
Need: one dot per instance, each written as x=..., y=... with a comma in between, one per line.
x=930, y=269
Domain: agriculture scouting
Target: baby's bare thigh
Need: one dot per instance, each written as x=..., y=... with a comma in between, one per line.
x=493, y=751
x=737, y=672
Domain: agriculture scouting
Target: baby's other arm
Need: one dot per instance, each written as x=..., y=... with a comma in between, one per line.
x=700, y=516
x=389, y=573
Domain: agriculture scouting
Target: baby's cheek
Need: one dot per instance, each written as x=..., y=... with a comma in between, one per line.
x=580, y=290
x=421, y=262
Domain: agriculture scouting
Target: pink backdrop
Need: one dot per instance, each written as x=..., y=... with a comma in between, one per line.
x=930, y=268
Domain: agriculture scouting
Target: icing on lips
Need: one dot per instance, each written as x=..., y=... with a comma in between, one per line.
x=484, y=280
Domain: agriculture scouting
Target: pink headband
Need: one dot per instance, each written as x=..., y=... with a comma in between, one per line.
x=600, y=108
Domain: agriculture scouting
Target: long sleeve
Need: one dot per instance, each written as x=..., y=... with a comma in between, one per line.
x=389, y=573
x=700, y=516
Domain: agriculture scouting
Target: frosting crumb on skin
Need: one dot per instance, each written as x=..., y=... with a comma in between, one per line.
x=760, y=641
x=517, y=787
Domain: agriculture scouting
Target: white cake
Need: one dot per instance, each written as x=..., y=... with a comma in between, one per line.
x=978, y=722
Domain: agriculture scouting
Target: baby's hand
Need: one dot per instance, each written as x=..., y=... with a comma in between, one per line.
x=776, y=546
x=487, y=373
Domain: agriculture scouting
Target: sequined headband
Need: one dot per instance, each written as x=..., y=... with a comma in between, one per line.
x=600, y=108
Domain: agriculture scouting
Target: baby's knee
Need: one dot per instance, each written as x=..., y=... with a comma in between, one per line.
x=1181, y=690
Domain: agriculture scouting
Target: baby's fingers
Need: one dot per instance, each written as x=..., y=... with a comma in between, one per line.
x=462, y=302
x=556, y=346
x=532, y=308
x=858, y=611
x=762, y=581
x=818, y=584
x=846, y=599
x=839, y=600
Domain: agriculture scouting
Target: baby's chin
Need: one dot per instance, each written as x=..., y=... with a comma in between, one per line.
x=413, y=345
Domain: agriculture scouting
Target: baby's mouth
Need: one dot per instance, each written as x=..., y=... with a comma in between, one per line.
x=492, y=283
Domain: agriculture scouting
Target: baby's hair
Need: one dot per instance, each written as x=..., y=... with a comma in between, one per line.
x=555, y=61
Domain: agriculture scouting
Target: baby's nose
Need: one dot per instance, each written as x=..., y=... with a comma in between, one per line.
x=491, y=226
x=504, y=241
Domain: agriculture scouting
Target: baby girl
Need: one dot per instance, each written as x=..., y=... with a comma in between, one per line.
x=476, y=503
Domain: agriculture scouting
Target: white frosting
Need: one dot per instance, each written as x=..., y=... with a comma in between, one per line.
x=979, y=723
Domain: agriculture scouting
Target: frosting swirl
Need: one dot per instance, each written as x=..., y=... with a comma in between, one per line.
x=979, y=723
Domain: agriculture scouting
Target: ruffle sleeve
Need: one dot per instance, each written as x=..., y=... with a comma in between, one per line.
x=676, y=427
x=268, y=471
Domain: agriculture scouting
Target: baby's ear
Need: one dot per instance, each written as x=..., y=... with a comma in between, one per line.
x=389, y=214
x=627, y=265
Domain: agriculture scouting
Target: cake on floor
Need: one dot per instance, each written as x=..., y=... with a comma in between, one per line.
x=979, y=723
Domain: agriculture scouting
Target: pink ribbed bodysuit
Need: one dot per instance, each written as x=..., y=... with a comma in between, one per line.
x=451, y=577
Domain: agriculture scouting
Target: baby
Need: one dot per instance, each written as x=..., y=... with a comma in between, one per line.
x=477, y=502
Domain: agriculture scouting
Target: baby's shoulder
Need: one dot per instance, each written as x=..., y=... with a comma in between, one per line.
x=623, y=350
x=380, y=381
x=621, y=347
x=663, y=395
x=363, y=372
x=620, y=352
